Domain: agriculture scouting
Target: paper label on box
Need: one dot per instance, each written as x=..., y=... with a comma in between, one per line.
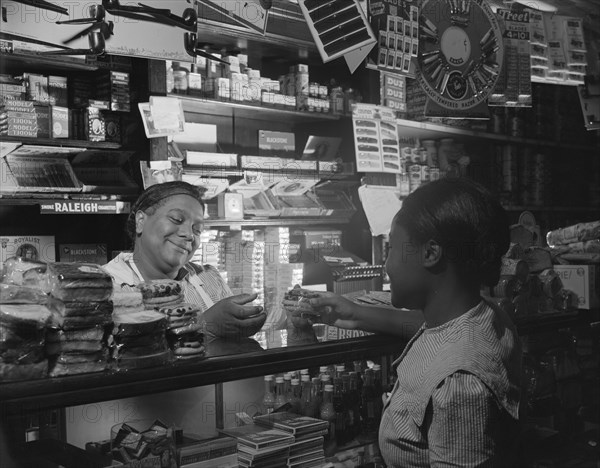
x=39, y=248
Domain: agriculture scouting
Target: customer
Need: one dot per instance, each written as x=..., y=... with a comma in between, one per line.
x=456, y=398
x=165, y=224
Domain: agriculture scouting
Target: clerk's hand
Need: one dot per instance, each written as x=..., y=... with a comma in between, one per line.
x=231, y=318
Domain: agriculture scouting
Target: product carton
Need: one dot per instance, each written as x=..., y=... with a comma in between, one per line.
x=583, y=280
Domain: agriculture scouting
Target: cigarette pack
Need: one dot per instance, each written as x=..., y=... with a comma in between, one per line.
x=59, y=122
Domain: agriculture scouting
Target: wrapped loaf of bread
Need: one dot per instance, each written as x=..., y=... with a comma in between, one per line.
x=22, y=341
x=77, y=282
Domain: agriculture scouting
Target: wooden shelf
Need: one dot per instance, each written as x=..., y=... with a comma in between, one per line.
x=227, y=361
x=45, y=62
x=63, y=142
x=265, y=222
x=70, y=203
x=555, y=209
x=35, y=395
x=200, y=105
x=432, y=131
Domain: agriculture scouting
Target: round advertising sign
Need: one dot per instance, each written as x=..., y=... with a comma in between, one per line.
x=460, y=52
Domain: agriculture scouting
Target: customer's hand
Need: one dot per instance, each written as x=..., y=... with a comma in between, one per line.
x=231, y=318
x=327, y=307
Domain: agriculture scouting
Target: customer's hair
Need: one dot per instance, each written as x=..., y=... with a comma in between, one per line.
x=464, y=218
x=156, y=195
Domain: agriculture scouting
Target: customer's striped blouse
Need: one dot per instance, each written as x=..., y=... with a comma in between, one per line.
x=456, y=399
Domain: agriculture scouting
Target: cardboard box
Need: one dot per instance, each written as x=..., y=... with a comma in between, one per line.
x=39, y=248
x=583, y=280
x=330, y=333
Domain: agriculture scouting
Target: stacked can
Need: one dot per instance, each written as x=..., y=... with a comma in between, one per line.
x=538, y=180
x=525, y=176
x=506, y=161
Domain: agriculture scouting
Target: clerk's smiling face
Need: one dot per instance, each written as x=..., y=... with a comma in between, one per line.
x=170, y=234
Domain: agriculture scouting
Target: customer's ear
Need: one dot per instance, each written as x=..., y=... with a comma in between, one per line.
x=140, y=218
x=432, y=253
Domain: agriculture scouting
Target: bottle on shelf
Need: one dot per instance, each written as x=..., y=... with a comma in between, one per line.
x=341, y=432
x=327, y=411
x=378, y=389
x=336, y=99
x=269, y=395
x=367, y=405
x=340, y=369
x=180, y=78
x=306, y=406
x=316, y=396
x=353, y=403
x=294, y=396
x=279, y=392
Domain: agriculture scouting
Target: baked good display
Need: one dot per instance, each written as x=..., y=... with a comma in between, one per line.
x=126, y=302
x=22, y=341
x=159, y=293
x=296, y=300
x=81, y=282
x=138, y=340
x=184, y=330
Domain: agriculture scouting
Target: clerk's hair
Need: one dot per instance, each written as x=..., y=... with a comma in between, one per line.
x=156, y=195
x=465, y=219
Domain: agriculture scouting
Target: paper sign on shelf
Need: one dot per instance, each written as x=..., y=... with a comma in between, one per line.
x=197, y=137
x=380, y=205
x=376, y=139
x=167, y=114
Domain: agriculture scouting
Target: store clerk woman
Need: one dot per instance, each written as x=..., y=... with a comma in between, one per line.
x=165, y=224
x=456, y=398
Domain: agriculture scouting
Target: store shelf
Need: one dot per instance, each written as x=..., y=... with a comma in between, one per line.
x=70, y=203
x=26, y=61
x=63, y=142
x=228, y=361
x=264, y=222
x=250, y=111
x=556, y=209
x=432, y=131
x=553, y=321
x=35, y=395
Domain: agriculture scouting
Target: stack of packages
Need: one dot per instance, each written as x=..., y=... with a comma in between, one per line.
x=579, y=243
x=261, y=447
x=80, y=306
x=307, y=449
x=138, y=335
x=280, y=275
x=136, y=445
x=184, y=329
x=23, y=318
